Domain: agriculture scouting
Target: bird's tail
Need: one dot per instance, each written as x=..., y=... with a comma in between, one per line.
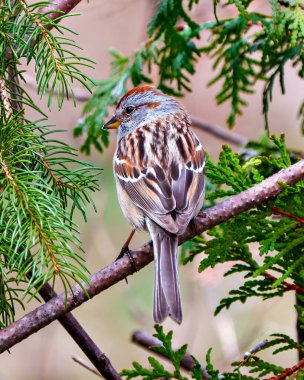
x=166, y=284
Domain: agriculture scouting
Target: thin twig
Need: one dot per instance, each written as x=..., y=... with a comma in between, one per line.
x=15, y=90
x=86, y=365
x=287, y=285
x=83, y=340
x=148, y=341
x=117, y=271
x=80, y=94
x=276, y=210
x=219, y=132
x=59, y=7
x=5, y=98
x=288, y=371
x=256, y=348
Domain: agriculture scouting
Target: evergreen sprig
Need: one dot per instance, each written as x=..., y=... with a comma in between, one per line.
x=158, y=370
x=250, y=368
x=28, y=35
x=281, y=241
x=42, y=182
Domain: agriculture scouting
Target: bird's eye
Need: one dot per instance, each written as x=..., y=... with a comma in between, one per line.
x=129, y=109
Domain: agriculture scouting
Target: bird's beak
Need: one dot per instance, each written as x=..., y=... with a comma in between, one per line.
x=113, y=123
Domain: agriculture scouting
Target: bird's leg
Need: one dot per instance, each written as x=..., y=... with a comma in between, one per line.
x=126, y=251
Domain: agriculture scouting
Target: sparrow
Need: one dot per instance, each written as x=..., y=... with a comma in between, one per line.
x=159, y=171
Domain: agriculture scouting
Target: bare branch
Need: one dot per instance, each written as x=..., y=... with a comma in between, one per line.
x=219, y=132
x=117, y=271
x=59, y=7
x=86, y=365
x=148, y=341
x=83, y=340
x=80, y=94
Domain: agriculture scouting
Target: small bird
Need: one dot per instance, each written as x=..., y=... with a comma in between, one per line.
x=159, y=170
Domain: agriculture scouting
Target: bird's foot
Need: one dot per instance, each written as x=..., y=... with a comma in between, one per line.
x=126, y=251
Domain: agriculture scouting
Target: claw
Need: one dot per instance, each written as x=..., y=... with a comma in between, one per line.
x=125, y=251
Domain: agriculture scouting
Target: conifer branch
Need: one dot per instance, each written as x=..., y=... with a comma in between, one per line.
x=32, y=215
x=43, y=31
x=80, y=94
x=59, y=8
x=143, y=339
x=117, y=271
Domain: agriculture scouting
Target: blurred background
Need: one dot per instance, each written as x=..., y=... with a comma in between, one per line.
x=112, y=316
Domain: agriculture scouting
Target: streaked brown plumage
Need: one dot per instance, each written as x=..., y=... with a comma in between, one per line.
x=159, y=171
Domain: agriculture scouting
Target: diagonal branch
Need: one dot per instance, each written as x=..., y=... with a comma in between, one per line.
x=59, y=7
x=219, y=132
x=288, y=286
x=117, y=271
x=84, y=341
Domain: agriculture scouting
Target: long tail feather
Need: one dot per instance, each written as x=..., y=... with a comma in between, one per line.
x=166, y=285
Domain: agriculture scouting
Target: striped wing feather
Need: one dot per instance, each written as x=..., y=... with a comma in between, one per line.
x=168, y=185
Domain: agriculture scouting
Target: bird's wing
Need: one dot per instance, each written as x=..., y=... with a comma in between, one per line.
x=188, y=188
x=169, y=186
x=188, y=178
x=149, y=189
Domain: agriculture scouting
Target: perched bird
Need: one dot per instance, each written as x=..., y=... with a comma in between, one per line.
x=159, y=171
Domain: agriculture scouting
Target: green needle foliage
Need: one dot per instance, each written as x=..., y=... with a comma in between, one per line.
x=42, y=182
x=247, y=49
x=249, y=368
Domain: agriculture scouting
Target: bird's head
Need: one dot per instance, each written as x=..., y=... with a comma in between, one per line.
x=142, y=105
